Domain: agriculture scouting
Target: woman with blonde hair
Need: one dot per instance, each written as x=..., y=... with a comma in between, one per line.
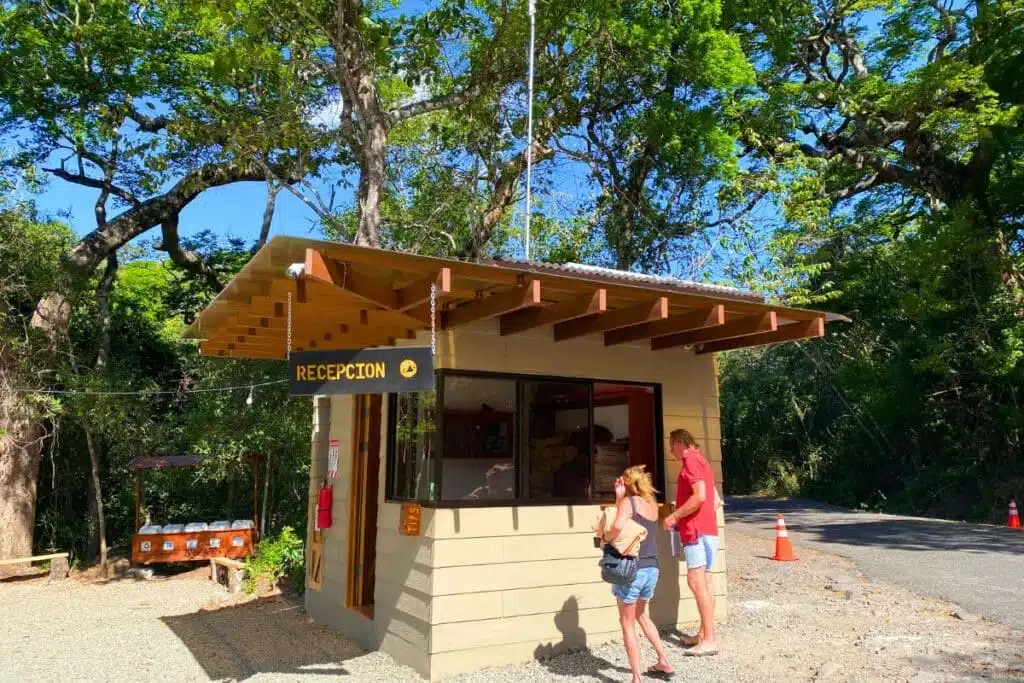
x=634, y=499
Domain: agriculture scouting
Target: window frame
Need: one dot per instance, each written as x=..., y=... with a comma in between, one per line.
x=517, y=447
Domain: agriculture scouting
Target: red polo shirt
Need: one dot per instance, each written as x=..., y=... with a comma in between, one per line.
x=703, y=522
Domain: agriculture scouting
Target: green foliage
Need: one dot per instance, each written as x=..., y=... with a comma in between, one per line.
x=278, y=557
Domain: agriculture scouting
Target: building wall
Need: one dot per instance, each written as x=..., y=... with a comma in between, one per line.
x=488, y=586
x=333, y=419
x=510, y=584
x=400, y=623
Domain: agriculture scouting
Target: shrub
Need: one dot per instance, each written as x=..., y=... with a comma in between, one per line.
x=277, y=557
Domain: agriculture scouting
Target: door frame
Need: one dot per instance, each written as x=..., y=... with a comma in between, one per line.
x=364, y=501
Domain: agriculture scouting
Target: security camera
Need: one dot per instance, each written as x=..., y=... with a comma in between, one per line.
x=296, y=270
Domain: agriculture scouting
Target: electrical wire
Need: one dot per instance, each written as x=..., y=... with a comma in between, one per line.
x=144, y=392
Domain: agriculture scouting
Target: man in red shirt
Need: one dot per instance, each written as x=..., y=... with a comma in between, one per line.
x=696, y=521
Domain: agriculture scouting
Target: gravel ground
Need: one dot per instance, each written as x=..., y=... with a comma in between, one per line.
x=816, y=619
x=930, y=556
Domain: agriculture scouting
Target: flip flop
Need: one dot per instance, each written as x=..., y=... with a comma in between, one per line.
x=699, y=651
x=655, y=672
x=687, y=641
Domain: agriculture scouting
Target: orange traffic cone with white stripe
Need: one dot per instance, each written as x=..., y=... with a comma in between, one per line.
x=1013, y=520
x=783, y=548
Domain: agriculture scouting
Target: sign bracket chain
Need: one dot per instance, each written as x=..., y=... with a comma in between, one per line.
x=433, y=322
x=288, y=349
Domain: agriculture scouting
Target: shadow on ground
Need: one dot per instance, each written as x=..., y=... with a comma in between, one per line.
x=869, y=529
x=571, y=656
x=266, y=635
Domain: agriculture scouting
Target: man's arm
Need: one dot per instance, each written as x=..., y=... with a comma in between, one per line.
x=699, y=495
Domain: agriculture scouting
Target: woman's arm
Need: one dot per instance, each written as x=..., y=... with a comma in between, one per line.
x=622, y=515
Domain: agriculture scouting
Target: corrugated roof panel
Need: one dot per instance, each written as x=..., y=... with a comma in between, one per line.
x=639, y=278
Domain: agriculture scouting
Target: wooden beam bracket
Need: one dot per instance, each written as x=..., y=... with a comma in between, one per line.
x=754, y=324
x=496, y=304
x=804, y=329
x=613, y=320
x=570, y=309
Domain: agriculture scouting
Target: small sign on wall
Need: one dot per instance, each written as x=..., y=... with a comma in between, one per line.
x=409, y=520
x=332, y=458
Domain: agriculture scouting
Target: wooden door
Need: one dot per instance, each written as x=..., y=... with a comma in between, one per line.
x=363, y=497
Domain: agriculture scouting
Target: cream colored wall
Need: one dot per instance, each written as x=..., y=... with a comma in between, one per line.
x=328, y=604
x=509, y=584
x=402, y=590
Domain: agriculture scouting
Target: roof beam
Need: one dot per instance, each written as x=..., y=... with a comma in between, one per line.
x=570, y=309
x=510, y=300
x=685, y=322
x=338, y=274
x=418, y=292
x=613, y=320
x=753, y=324
x=804, y=329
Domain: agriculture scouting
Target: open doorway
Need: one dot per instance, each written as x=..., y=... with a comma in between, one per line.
x=363, y=497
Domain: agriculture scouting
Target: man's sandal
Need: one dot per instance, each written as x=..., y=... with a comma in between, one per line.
x=701, y=651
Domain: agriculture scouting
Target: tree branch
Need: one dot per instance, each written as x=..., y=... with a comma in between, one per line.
x=97, y=245
x=186, y=258
x=454, y=99
x=95, y=183
x=149, y=124
x=268, y=213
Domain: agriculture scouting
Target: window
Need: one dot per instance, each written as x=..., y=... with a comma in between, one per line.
x=520, y=439
x=411, y=434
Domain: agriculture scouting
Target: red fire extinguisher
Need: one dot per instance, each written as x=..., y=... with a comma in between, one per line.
x=324, y=500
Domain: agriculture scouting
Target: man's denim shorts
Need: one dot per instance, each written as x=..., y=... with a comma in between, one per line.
x=641, y=588
x=701, y=553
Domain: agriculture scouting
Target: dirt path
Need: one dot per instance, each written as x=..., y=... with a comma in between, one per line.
x=815, y=619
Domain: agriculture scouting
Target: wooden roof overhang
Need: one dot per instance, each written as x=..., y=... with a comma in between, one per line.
x=349, y=297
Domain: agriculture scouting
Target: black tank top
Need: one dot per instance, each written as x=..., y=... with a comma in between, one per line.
x=648, y=555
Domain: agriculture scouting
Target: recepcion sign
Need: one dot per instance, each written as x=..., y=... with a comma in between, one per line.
x=365, y=371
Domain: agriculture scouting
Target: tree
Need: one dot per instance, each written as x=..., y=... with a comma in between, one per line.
x=150, y=105
x=30, y=251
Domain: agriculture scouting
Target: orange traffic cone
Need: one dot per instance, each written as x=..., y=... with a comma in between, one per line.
x=1013, y=520
x=783, y=548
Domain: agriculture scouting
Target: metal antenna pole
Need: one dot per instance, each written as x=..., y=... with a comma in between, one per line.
x=529, y=133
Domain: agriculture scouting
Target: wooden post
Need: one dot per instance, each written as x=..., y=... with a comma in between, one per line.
x=138, y=501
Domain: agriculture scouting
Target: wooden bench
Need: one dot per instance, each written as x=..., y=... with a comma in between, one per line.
x=58, y=564
x=230, y=570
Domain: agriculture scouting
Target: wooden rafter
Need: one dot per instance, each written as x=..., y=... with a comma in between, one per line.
x=338, y=274
x=753, y=324
x=803, y=329
x=613, y=320
x=418, y=292
x=507, y=301
x=570, y=309
x=684, y=322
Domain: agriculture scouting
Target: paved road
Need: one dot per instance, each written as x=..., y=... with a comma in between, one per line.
x=978, y=567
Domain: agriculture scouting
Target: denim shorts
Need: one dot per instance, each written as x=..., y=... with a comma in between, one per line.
x=641, y=588
x=701, y=553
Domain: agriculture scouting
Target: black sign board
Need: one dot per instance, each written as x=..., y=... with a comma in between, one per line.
x=366, y=371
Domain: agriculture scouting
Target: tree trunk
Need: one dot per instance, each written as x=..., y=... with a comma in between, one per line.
x=98, y=524
x=371, y=183
x=96, y=501
x=21, y=437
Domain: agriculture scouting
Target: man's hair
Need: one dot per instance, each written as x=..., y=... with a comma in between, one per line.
x=682, y=436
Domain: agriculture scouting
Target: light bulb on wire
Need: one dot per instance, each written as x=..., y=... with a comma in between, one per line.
x=248, y=399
